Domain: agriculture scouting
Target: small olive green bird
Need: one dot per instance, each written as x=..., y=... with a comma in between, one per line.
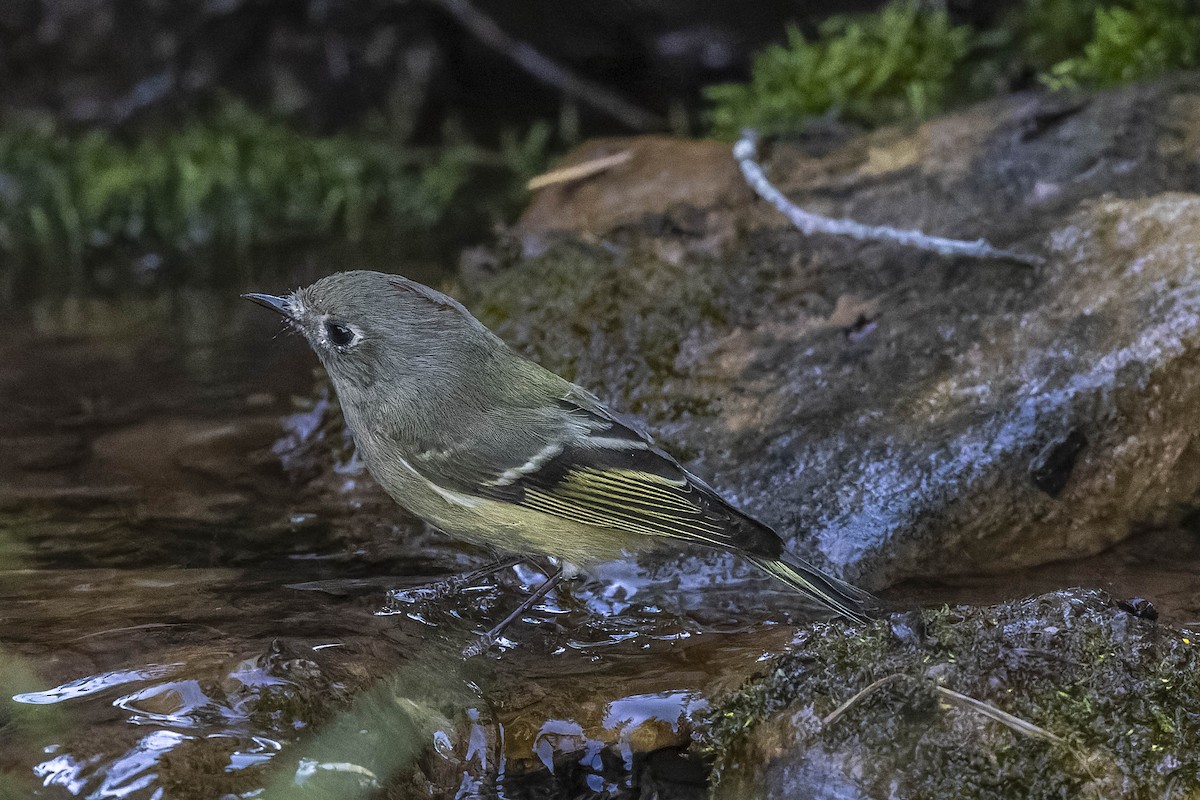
x=492, y=448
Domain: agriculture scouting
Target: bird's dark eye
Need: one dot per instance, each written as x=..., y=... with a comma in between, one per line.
x=339, y=334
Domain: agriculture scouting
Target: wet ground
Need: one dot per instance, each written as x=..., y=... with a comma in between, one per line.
x=181, y=618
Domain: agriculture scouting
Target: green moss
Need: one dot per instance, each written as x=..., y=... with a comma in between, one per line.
x=908, y=61
x=613, y=324
x=1120, y=691
x=899, y=63
x=231, y=181
x=1047, y=32
x=1133, y=41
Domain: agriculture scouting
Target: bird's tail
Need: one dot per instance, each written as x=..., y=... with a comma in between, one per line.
x=833, y=593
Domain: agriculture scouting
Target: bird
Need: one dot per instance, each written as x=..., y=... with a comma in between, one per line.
x=492, y=448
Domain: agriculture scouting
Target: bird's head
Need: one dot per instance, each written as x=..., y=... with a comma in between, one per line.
x=379, y=334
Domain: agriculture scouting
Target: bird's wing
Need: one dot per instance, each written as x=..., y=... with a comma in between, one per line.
x=593, y=468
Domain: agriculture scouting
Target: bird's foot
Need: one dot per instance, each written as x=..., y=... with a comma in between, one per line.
x=479, y=646
x=485, y=642
x=439, y=590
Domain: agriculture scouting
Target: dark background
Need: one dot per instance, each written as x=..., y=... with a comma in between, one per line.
x=330, y=63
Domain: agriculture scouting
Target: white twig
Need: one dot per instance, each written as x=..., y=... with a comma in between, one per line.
x=1021, y=726
x=746, y=150
x=1003, y=717
x=870, y=689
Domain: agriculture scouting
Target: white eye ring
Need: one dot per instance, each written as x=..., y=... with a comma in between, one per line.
x=340, y=335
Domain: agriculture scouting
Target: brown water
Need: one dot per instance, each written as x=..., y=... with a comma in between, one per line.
x=179, y=618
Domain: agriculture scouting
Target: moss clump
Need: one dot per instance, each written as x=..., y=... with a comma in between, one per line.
x=614, y=325
x=1133, y=41
x=870, y=69
x=1047, y=32
x=907, y=61
x=229, y=181
x=1119, y=690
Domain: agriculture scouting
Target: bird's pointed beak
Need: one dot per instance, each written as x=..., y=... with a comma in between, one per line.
x=279, y=305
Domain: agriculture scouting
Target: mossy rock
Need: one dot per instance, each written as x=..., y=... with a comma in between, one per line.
x=1112, y=695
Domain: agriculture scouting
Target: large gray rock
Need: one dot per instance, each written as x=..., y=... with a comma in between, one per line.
x=896, y=413
x=1048, y=431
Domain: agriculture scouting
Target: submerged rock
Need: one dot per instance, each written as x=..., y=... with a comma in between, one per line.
x=1063, y=695
x=896, y=413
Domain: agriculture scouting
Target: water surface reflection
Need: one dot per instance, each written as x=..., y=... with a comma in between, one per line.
x=201, y=625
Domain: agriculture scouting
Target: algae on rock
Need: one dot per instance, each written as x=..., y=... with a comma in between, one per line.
x=1120, y=692
x=627, y=315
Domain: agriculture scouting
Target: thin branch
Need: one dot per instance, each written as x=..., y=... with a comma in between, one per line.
x=870, y=689
x=1003, y=717
x=578, y=172
x=523, y=54
x=961, y=700
x=746, y=150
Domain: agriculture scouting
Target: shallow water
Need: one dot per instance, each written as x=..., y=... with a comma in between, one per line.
x=178, y=615
x=180, y=618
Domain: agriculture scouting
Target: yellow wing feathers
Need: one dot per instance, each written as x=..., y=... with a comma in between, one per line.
x=836, y=595
x=657, y=505
x=632, y=500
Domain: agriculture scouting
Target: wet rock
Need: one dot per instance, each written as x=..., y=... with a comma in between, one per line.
x=892, y=412
x=1068, y=695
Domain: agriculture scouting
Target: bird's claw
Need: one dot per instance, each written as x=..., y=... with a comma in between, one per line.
x=453, y=585
x=479, y=646
x=431, y=593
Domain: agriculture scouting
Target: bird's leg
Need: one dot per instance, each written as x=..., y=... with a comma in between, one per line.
x=437, y=590
x=481, y=645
